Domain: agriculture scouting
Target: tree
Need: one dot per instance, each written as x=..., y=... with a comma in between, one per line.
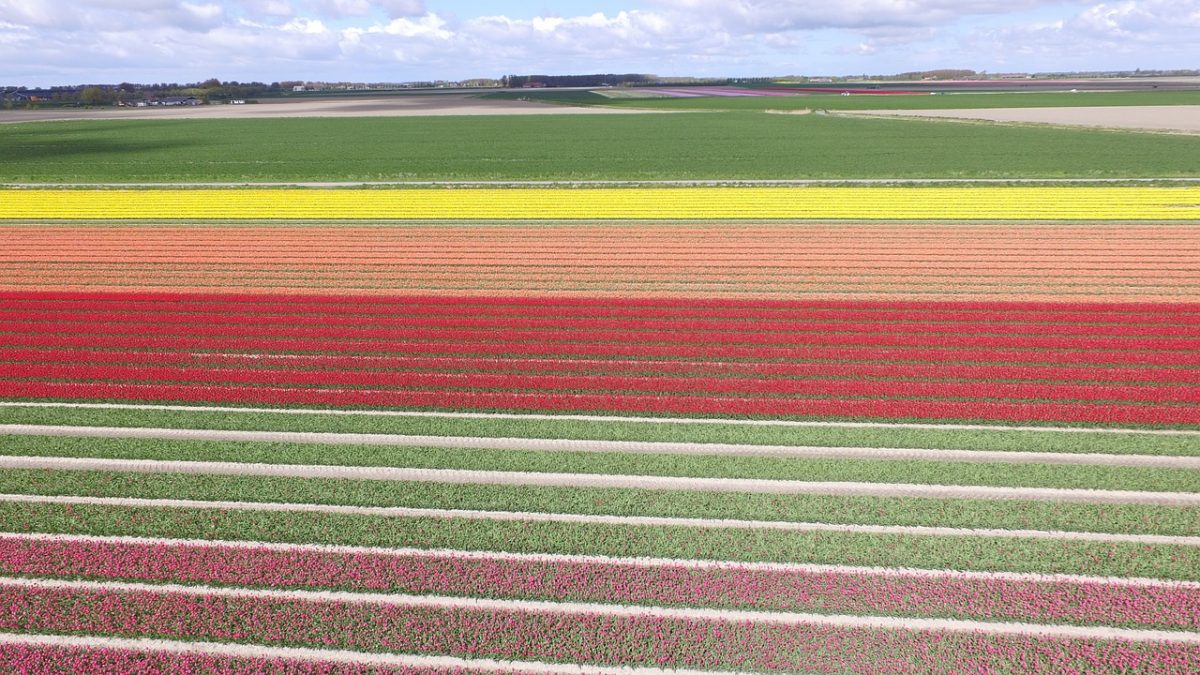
x=94, y=95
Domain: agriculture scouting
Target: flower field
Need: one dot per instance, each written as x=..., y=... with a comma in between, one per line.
x=645, y=203
x=972, y=262
x=787, y=431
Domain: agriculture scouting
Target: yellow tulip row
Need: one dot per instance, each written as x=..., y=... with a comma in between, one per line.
x=793, y=203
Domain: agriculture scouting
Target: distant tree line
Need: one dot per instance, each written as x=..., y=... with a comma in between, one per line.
x=598, y=80
x=128, y=92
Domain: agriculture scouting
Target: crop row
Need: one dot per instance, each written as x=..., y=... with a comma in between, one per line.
x=973, y=203
x=624, y=384
x=765, y=511
x=1187, y=312
x=629, y=428
x=417, y=331
x=32, y=658
x=609, y=349
x=795, y=327
x=1100, y=413
x=994, y=598
x=307, y=525
x=529, y=366
x=573, y=637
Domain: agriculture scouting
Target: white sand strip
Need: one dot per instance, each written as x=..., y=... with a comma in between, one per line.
x=592, y=608
x=560, y=558
x=338, y=656
x=601, y=418
x=649, y=521
x=596, y=446
x=617, y=481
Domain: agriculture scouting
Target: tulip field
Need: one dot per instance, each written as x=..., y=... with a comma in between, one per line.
x=600, y=430
x=620, y=203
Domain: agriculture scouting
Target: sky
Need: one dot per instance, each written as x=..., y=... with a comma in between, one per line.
x=62, y=42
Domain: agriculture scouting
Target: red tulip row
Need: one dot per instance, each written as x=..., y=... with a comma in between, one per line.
x=877, y=389
x=615, y=308
x=501, y=347
x=609, y=402
x=844, y=369
x=631, y=335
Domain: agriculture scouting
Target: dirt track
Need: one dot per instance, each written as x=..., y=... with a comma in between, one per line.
x=1175, y=118
x=384, y=106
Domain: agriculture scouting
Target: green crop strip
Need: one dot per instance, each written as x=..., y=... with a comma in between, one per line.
x=962, y=553
x=923, y=472
x=701, y=432
x=713, y=146
x=909, y=511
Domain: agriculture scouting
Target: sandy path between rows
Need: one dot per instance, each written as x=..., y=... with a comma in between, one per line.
x=595, y=446
x=384, y=106
x=1174, y=118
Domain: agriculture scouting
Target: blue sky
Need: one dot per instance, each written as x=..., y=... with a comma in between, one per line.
x=50, y=42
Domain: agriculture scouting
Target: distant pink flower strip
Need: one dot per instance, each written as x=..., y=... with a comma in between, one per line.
x=1091, y=603
x=572, y=638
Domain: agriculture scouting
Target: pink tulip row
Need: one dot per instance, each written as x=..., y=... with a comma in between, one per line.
x=55, y=660
x=569, y=637
x=1171, y=607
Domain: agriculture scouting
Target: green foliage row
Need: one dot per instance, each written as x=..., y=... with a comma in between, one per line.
x=1012, y=440
x=693, y=146
x=929, y=552
x=918, y=472
x=906, y=511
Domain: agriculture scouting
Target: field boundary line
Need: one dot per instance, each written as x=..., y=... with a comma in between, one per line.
x=582, y=519
x=601, y=418
x=341, y=656
x=588, y=608
x=811, y=568
x=598, y=480
x=603, y=446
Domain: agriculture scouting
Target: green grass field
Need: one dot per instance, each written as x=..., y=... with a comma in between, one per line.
x=700, y=146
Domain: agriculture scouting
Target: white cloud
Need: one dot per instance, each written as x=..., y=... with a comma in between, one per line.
x=398, y=8
x=1154, y=33
x=774, y=16
x=388, y=40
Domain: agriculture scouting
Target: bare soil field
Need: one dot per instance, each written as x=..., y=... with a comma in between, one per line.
x=1173, y=118
x=383, y=106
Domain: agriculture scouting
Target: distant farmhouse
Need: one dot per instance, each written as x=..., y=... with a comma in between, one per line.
x=26, y=95
x=174, y=100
